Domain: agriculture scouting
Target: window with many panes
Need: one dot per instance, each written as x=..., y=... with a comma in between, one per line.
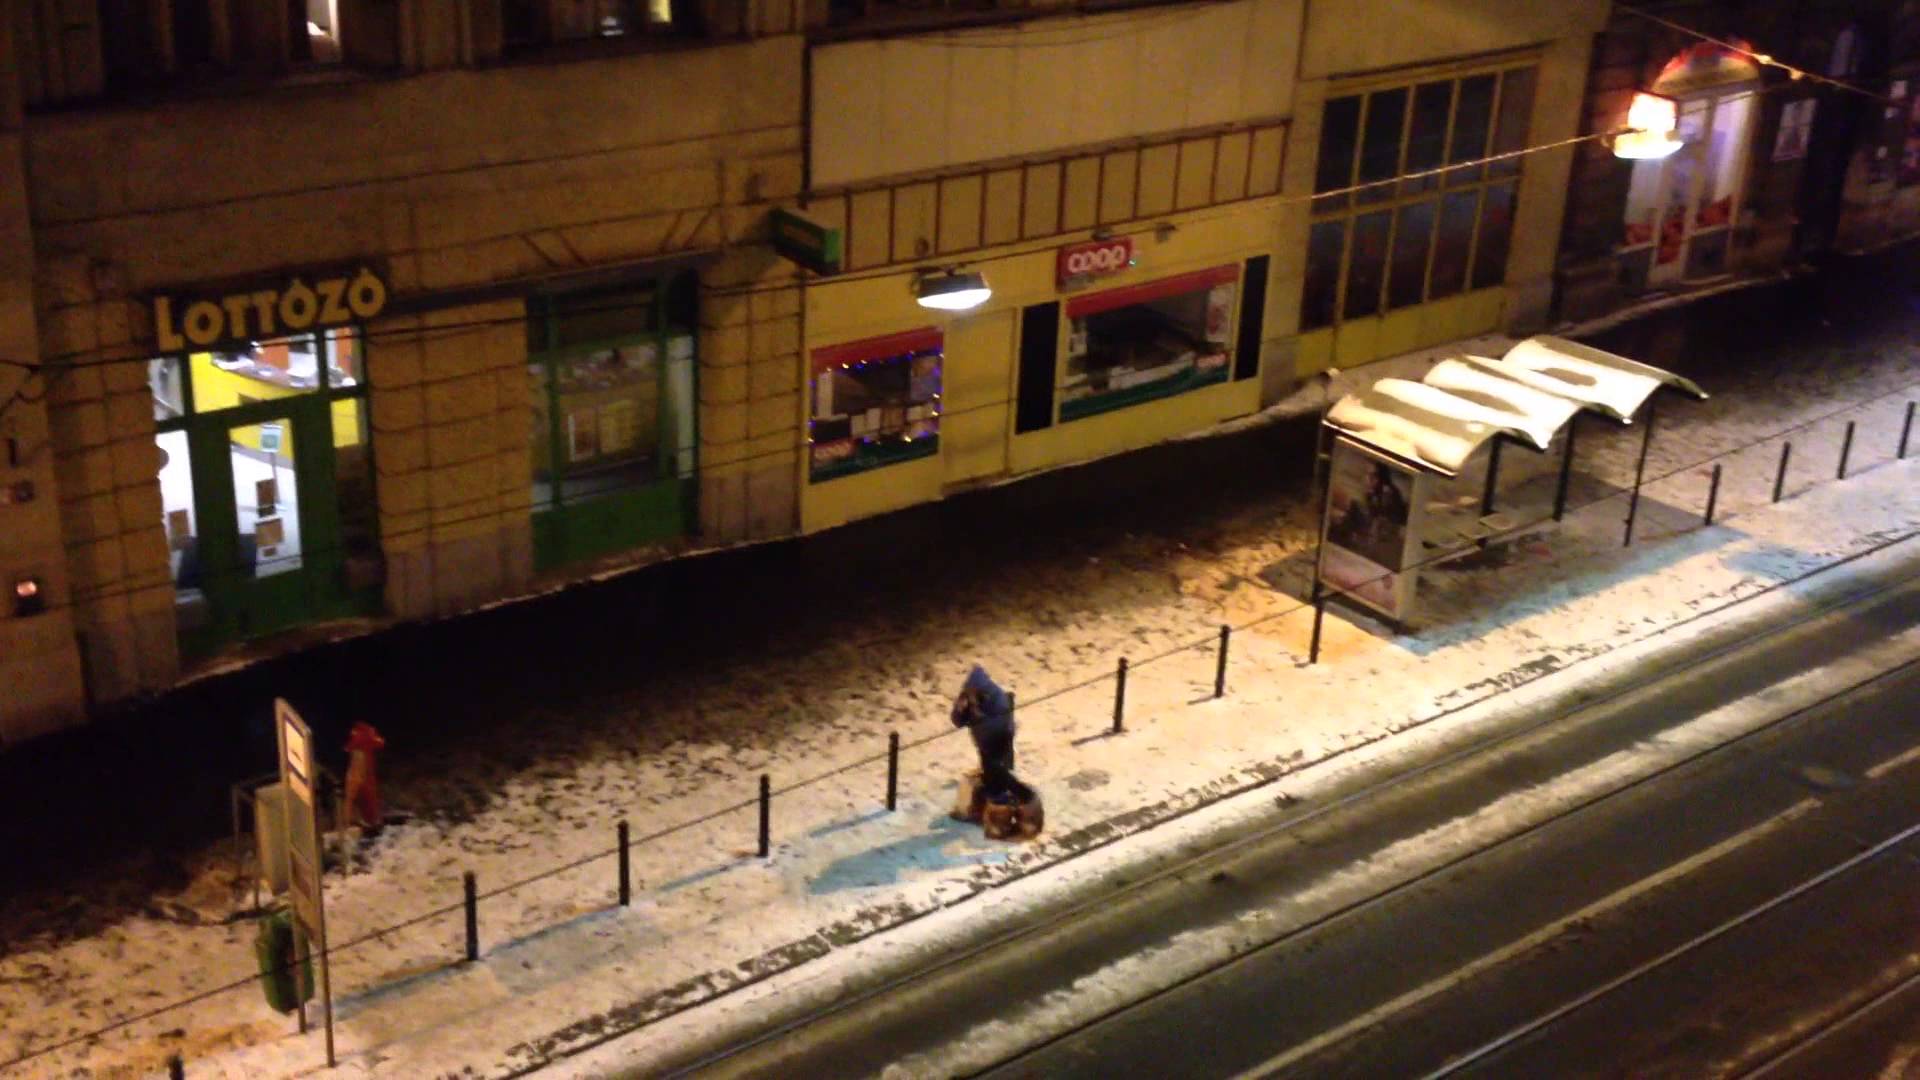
x=1406, y=210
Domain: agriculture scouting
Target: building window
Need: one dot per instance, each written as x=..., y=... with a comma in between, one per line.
x=875, y=403
x=533, y=23
x=1147, y=341
x=611, y=376
x=1681, y=210
x=1406, y=211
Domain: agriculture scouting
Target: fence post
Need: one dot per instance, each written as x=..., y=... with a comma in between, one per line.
x=1906, y=429
x=473, y=916
x=1319, y=613
x=766, y=814
x=1713, y=493
x=1220, y=668
x=893, y=768
x=1120, y=697
x=176, y=1068
x=626, y=866
x=1780, y=480
x=1846, y=448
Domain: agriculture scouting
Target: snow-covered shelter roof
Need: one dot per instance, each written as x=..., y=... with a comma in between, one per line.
x=1437, y=424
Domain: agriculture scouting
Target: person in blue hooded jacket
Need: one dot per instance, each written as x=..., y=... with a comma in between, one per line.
x=986, y=712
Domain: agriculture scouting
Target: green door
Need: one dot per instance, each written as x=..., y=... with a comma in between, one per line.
x=264, y=491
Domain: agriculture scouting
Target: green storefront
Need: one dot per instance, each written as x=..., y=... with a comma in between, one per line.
x=266, y=471
x=612, y=380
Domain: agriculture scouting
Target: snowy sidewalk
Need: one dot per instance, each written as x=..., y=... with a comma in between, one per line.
x=562, y=967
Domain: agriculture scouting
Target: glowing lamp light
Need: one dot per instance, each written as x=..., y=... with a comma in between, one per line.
x=1651, y=121
x=953, y=290
x=29, y=596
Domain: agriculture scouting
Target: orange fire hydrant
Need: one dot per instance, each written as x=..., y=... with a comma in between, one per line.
x=363, y=782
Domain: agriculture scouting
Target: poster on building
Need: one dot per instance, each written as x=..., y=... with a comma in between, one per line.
x=1368, y=530
x=1796, y=130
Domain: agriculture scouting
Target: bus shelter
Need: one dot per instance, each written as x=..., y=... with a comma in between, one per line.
x=1391, y=450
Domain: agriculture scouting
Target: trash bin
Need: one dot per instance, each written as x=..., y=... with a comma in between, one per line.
x=273, y=948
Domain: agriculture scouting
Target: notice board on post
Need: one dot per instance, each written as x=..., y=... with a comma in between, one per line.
x=299, y=772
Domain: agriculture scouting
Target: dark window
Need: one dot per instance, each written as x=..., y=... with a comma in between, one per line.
x=1039, y=353
x=1516, y=111
x=1326, y=241
x=1472, y=121
x=1454, y=243
x=1496, y=229
x=1339, y=136
x=1427, y=139
x=1253, y=309
x=1380, y=150
x=1412, y=239
x=1366, y=267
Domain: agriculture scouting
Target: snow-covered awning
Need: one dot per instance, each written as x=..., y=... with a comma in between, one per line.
x=1529, y=394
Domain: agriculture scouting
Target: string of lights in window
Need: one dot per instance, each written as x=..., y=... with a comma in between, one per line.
x=903, y=424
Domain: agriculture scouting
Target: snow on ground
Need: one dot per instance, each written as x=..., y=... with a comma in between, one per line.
x=707, y=915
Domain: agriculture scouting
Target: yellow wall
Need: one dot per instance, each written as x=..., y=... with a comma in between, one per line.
x=981, y=365
x=214, y=389
x=910, y=104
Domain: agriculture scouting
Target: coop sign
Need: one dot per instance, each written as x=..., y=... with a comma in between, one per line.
x=1080, y=263
x=297, y=305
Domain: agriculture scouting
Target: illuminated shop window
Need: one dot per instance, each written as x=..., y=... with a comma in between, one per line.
x=875, y=403
x=1149, y=341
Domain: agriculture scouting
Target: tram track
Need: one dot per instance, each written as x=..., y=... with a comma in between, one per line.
x=1104, y=906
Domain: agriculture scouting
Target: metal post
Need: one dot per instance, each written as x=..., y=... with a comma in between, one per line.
x=1566, y=470
x=1220, y=668
x=473, y=916
x=626, y=867
x=1319, y=613
x=1713, y=493
x=1846, y=448
x=1906, y=429
x=766, y=814
x=893, y=769
x=1120, y=696
x=176, y=1068
x=1009, y=705
x=1780, y=479
x=1639, y=474
x=1493, y=477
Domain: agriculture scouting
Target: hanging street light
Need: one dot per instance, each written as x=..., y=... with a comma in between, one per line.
x=952, y=290
x=1651, y=122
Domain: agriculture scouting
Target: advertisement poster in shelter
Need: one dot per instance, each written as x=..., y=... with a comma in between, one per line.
x=1369, y=530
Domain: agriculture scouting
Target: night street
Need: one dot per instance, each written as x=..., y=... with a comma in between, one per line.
x=868, y=537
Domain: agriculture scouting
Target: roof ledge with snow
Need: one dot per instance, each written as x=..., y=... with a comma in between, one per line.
x=1528, y=395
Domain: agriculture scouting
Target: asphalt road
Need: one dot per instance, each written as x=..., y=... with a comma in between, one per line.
x=1455, y=964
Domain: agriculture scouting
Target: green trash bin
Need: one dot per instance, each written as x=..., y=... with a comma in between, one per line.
x=273, y=948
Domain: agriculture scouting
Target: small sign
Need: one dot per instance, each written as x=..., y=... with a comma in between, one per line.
x=304, y=864
x=816, y=247
x=270, y=436
x=1081, y=263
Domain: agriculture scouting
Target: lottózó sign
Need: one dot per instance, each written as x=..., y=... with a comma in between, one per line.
x=1080, y=263
x=298, y=305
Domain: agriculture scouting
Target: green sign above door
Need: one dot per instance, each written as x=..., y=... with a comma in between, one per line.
x=807, y=242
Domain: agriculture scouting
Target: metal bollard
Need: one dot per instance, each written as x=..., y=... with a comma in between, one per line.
x=473, y=917
x=1220, y=668
x=1906, y=429
x=893, y=769
x=626, y=867
x=1120, y=697
x=176, y=1068
x=1319, y=614
x=1713, y=493
x=1780, y=480
x=766, y=814
x=1846, y=448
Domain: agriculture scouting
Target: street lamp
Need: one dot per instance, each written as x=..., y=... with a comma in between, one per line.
x=952, y=290
x=1651, y=121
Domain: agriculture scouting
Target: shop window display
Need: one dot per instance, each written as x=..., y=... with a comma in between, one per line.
x=603, y=415
x=1120, y=353
x=874, y=405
